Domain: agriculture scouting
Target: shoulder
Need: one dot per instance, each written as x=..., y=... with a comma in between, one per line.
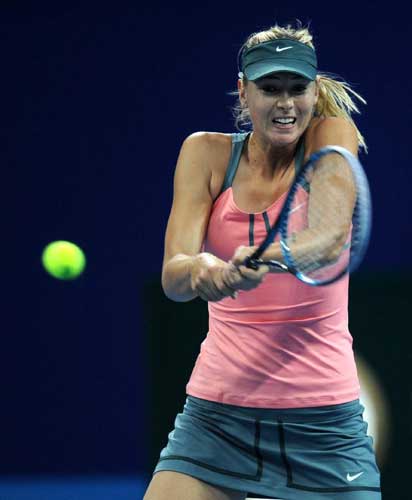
x=331, y=130
x=205, y=149
x=211, y=143
x=208, y=153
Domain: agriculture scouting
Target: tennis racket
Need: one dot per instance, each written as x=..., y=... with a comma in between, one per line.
x=325, y=223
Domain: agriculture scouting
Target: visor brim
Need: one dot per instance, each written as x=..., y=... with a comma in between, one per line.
x=264, y=68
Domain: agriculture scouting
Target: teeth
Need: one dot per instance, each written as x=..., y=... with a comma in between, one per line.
x=284, y=120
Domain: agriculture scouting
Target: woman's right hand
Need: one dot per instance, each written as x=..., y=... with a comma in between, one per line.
x=207, y=278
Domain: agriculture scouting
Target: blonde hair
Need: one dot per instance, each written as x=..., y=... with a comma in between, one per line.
x=335, y=95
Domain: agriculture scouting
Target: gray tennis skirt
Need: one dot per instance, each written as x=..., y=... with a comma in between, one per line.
x=298, y=453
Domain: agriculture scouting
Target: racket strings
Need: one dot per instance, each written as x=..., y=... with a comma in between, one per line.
x=318, y=232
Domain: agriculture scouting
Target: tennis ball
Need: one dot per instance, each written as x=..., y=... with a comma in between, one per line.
x=63, y=260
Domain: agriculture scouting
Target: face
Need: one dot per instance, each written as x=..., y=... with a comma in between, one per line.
x=281, y=106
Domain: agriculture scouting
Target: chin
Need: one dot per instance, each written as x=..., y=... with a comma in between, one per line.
x=285, y=138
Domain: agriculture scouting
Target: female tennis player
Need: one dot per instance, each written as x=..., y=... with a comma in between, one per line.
x=272, y=406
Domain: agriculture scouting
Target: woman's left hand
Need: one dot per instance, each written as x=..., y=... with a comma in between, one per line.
x=239, y=277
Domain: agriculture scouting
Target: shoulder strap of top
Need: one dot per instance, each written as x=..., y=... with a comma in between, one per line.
x=300, y=155
x=238, y=141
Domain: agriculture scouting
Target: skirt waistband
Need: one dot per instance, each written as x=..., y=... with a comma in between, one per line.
x=311, y=414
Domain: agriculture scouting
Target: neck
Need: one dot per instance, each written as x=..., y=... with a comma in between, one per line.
x=268, y=159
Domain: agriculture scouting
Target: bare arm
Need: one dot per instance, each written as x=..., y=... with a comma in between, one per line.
x=331, y=203
x=187, y=272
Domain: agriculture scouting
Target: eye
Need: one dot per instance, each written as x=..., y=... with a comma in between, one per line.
x=269, y=89
x=299, y=89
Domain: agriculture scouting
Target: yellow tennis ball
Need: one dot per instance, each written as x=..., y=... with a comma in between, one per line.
x=63, y=260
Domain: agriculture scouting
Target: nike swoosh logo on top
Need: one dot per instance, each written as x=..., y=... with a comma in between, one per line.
x=281, y=49
x=297, y=208
x=351, y=478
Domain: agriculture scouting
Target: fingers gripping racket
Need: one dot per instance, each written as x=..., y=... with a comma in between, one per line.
x=325, y=223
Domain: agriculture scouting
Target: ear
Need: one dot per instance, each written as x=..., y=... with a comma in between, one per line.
x=242, y=93
x=317, y=82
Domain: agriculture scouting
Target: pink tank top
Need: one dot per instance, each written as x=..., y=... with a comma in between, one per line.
x=285, y=344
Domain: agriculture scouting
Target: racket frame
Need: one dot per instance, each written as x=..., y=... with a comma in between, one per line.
x=363, y=210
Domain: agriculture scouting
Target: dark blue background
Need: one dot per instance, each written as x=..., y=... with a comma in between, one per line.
x=96, y=100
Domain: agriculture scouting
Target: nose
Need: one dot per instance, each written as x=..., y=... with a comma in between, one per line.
x=285, y=101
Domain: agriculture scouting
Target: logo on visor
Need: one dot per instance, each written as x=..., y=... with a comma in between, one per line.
x=280, y=49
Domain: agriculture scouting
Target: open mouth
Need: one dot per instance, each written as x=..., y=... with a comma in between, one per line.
x=284, y=121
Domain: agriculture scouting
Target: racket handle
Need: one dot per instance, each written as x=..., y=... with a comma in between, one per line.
x=252, y=263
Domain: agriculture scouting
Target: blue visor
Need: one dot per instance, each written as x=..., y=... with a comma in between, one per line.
x=279, y=55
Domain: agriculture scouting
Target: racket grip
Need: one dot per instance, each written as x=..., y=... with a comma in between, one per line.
x=254, y=264
x=251, y=263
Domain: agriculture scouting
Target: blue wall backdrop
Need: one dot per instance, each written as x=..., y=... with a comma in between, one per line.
x=96, y=100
